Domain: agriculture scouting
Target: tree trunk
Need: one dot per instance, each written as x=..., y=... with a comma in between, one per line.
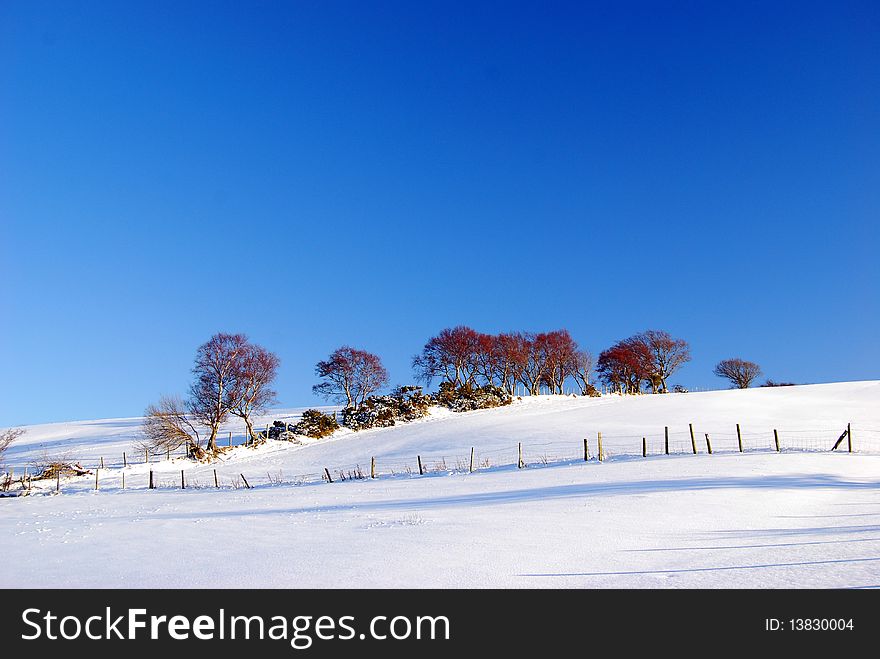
x=212, y=440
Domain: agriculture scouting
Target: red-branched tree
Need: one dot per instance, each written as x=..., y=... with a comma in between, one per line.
x=463, y=356
x=487, y=359
x=253, y=373
x=452, y=355
x=557, y=349
x=512, y=350
x=350, y=375
x=624, y=366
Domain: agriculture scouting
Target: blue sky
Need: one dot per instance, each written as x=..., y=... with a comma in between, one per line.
x=320, y=173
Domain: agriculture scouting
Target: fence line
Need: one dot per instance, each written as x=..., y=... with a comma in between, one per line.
x=596, y=448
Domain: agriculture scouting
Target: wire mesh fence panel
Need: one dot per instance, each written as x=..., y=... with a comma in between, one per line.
x=129, y=470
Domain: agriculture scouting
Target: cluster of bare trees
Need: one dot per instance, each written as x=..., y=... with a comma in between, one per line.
x=234, y=377
x=231, y=376
x=647, y=359
x=462, y=356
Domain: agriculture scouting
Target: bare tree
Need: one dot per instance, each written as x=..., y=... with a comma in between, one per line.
x=512, y=353
x=167, y=427
x=557, y=350
x=625, y=365
x=532, y=365
x=452, y=355
x=740, y=372
x=253, y=373
x=214, y=368
x=488, y=360
x=350, y=375
x=7, y=437
x=580, y=368
x=668, y=354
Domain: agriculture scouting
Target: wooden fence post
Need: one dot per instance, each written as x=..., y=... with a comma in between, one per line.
x=229, y=444
x=124, y=460
x=123, y=480
x=182, y=480
x=708, y=444
x=739, y=438
x=693, y=441
x=58, y=480
x=519, y=462
x=666, y=434
x=96, y=478
x=471, y=469
x=849, y=436
x=102, y=462
x=246, y=484
x=776, y=439
x=373, y=467
x=168, y=454
x=151, y=479
x=601, y=451
x=327, y=474
x=216, y=482
x=586, y=450
x=644, y=447
x=421, y=471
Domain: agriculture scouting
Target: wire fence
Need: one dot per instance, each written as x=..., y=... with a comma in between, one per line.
x=173, y=470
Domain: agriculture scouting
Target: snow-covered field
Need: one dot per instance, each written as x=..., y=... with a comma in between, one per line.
x=804, y=517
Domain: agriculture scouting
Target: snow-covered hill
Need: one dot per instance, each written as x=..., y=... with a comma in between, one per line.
x=803, y=517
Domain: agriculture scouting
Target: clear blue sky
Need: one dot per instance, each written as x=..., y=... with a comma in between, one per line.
x=320, y=173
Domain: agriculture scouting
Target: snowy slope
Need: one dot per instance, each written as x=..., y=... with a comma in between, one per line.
x=799, y=518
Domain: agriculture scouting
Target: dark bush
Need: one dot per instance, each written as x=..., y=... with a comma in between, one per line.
x=316, y=424
x=282, y=431
x=592, y=392
x=468, y=397
x=771, y=383
x=679, y=389
x=402, y=404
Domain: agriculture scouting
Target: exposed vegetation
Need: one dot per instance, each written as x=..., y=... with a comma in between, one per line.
x=315, y=423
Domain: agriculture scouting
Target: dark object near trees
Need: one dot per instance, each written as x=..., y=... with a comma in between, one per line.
x=56, y=468
x=314, y=423
x=285, y=432
x=740, y=372
x=591, y=391
x=771, y=383
x=402, y=404
x=679, y=389
x=468, y=397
